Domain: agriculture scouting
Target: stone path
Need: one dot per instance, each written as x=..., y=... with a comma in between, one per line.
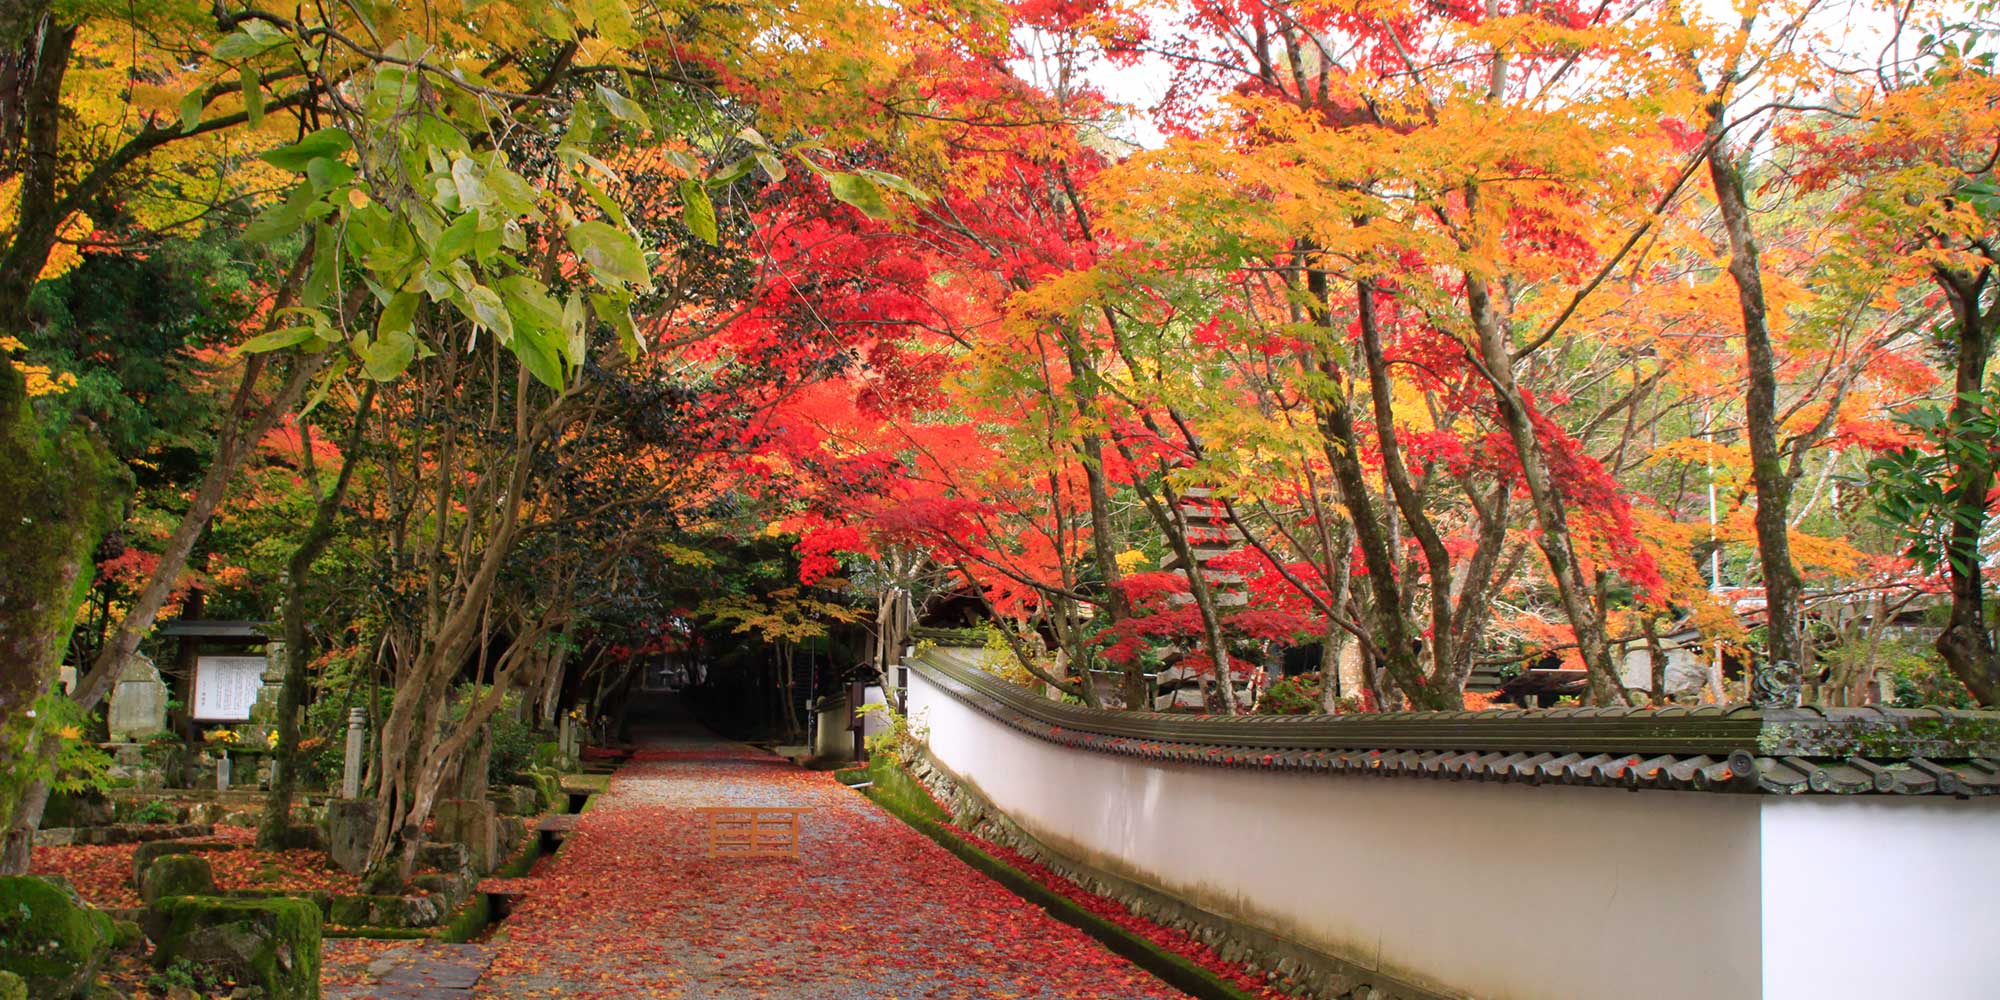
x=632, y=908
x=425, y=970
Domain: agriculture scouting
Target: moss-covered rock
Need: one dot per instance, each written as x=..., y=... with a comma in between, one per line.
x=126, y=936
x=145, y=854
x=49, y=937
x=88, y=807
x=12, y=987
x=548, y=788
x=268, y=943
x=385, y=910
x=177, y=875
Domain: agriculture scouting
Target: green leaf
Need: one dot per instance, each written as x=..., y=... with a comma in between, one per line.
x=735, y=171
x=470, y=178
x=434, y=131
x=603, y=201
x=774, y=168
x=255, y=39
x=539, y=360
x=276, y=340
x=282, y=220
x=896, y=184
x=682, y=161
x=512, y=193
x=457, y=239
x=333, y=373
x=612, y=21
x=697, y=212
x=399, y=315
x=621, y=107
x=389, y=356
x=616, y=311
x=253, y=96
x=325, y=142
x=322, y=279
x=237, y=46
x=860, y=192
x=489, y=311
x=191, y=106
x=529, y=302
x=327, y=173
x=612, y=253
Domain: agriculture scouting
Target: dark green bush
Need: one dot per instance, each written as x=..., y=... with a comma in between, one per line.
x=1291, y=696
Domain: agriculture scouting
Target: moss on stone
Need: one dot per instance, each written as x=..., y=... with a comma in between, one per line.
x=12, y=987
x=49, y=937
x=270, y=943
x=177, y=875
x=548, y=788
x=64, y=490
x=126, y=935
x=145, y=854
x=895, y=785
x=1954, y=736
x=467, y=921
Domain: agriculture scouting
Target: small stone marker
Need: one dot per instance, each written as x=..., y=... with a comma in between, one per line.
x=753, y=831
x=222, y=771
x=139, y=703
x=357, y=741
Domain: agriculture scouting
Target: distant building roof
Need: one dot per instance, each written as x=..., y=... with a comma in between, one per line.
x=206, y=629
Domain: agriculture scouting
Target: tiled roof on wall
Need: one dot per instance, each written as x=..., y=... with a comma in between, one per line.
x=1727, y=749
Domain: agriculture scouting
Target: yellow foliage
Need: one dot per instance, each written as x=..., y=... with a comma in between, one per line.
x=681, y=555
x=41, y=379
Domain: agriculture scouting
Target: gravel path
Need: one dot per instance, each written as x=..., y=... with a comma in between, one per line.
x=633, y=908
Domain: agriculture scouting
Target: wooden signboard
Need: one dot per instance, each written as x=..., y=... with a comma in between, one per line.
x=226, y=686
x=753, y=831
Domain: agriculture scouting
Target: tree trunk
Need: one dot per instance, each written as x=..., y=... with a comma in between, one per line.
x=64, y=491
x=1782, y=587
x=1343, y=450
x=1408, y=498
x=1967, y=643
x=1558, y=549
x=1656, y=657
x=273, y=829
x=36, y=60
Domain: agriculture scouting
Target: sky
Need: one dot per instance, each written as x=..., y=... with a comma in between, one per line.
x=1854, y=30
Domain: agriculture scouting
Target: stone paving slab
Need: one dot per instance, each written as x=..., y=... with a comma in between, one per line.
x=425, y=970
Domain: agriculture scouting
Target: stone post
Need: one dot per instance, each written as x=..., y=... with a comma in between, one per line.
x=222, y=771
x=357, y=742
x=567, y=740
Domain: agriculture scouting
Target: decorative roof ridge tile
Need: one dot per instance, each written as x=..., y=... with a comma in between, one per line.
x=1720, y=754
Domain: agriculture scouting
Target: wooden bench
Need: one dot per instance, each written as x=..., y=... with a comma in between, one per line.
x=752, y=831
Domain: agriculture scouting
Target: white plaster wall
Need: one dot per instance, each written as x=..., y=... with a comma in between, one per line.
x=1881, y=897
x=1501, y=892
